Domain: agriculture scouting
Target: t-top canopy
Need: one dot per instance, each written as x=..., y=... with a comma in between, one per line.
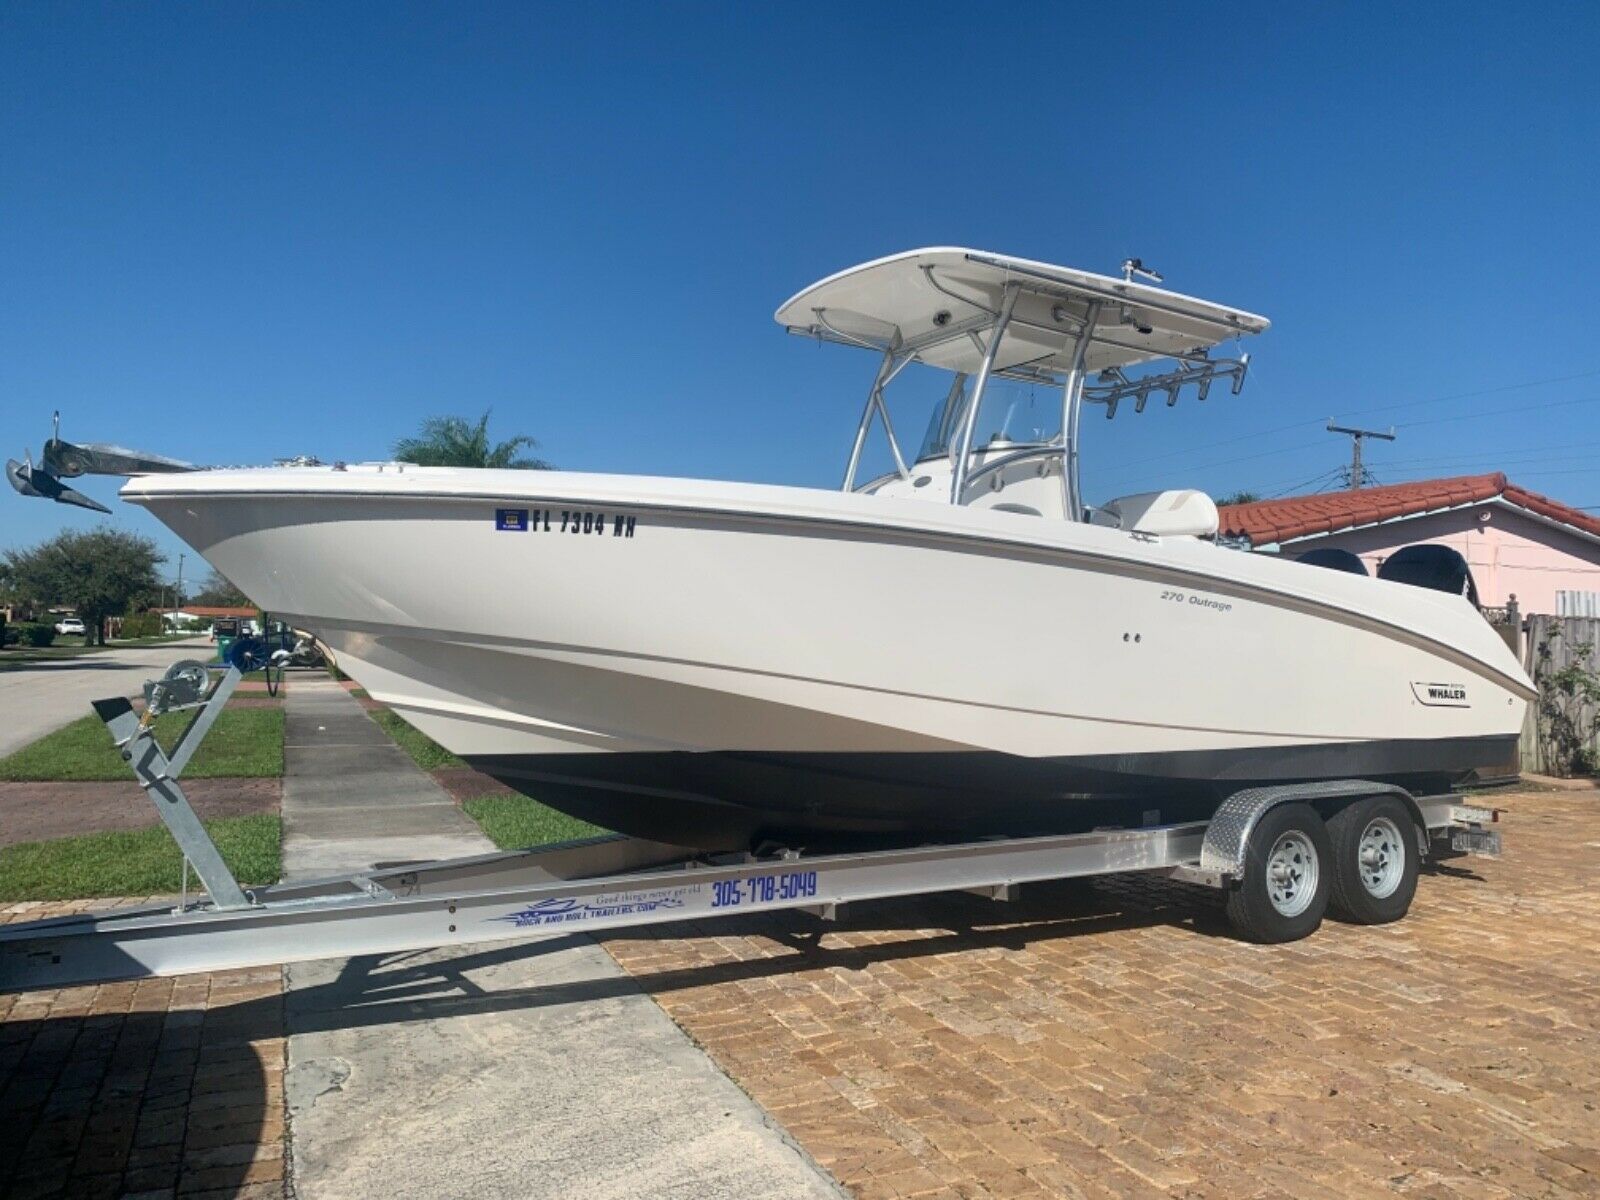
x=938, y=304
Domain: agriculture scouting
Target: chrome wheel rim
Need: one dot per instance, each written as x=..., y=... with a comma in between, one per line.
x=1381, y=857
x=1292, y=870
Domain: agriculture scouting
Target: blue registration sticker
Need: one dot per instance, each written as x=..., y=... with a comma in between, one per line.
x=514, y=519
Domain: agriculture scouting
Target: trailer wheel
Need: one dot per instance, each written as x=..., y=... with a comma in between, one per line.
x=1284, y=891
x=1375, y=860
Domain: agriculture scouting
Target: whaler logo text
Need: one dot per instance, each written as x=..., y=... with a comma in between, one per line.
x=1441, y=695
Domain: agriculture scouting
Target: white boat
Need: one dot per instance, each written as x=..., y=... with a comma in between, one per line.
x=957, y=645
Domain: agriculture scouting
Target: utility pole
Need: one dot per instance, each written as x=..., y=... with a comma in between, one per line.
x=179, y=595
x=1357, y=436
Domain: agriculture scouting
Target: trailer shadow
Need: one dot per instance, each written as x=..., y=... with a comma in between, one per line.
x=1448, y=869
x=430, y=985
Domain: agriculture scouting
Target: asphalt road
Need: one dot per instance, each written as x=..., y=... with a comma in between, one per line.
x=44, y=696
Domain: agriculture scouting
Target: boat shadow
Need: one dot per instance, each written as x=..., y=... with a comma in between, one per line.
x=110, y=1101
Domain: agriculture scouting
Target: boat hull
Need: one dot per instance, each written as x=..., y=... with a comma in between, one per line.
x=714, y=663
x=745, y=798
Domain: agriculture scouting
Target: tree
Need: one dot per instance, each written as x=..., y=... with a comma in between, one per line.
x=1238, y=498
x=99, y=573
x=218, y=591
x=457, y=442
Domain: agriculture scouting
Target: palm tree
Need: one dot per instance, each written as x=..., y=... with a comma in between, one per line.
x=457, y=442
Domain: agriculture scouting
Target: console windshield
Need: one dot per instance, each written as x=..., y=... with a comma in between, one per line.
x=1012, y=414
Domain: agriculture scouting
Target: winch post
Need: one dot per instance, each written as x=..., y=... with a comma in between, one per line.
x=201, y=725
x=158, y=776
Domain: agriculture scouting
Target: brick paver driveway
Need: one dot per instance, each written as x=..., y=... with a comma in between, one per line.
x=1115, y=1041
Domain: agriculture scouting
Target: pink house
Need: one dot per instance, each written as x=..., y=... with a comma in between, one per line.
x=1517, y=542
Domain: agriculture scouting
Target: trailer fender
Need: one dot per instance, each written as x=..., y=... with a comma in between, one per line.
x=1229, y=832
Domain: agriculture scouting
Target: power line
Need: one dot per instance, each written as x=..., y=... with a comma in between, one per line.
x=1435, y=421
x=1326, y=476
x=1496, y=412
x=1494, y=391
x=1227, y=462
x=1275, y=491
x=1549, y=381
x=1515, y=455
x=1565, y=471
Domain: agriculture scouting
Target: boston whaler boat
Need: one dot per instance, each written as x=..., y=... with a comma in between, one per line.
x=954, y=676
x=960, y=646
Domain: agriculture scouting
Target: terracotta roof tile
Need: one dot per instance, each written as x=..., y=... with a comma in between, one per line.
x=1268, y=521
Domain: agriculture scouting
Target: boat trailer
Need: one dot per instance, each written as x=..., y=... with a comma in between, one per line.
x=593, y=885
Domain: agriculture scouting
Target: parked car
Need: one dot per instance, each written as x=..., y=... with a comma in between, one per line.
x=70, y=625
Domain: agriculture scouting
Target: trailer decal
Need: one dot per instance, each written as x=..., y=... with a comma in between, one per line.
x=565, y=910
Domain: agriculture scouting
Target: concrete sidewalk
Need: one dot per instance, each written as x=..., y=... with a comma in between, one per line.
x=352, y=798
x=502, y=1070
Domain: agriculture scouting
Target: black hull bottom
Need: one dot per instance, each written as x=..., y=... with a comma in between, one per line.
x=718, y=799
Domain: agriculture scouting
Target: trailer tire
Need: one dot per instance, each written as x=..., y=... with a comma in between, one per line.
x=1283, y=893
x=1375, y=860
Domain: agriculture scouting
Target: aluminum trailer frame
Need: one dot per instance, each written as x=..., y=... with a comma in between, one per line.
x=589, y=886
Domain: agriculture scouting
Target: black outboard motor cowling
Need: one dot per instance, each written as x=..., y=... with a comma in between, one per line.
x=1334, y=559
x=1431, y=566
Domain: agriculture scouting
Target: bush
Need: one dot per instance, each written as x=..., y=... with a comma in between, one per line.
x=138, y=625
x=1569, y=706
x=38, y=635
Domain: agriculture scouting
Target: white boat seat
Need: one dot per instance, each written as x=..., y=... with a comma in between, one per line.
x=1179, y=512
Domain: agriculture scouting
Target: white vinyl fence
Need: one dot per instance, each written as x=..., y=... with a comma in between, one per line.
x=1578, y=604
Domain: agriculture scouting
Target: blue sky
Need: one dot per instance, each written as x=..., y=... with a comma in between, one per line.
x=237, y=232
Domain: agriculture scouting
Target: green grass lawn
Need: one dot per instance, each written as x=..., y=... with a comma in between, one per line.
x=513, y=822
x=245, y=743
x=424, y=751
x=139, y=862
